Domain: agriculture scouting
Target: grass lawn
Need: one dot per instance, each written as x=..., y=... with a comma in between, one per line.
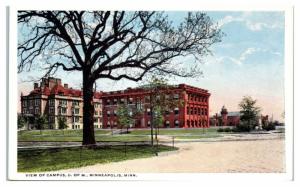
x=64, y=158
x=176, y=131
x=105, y=135
x=77, y=132
x=79, y=138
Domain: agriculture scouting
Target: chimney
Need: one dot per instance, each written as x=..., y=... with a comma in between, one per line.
x=36, y=85
x=65, y=85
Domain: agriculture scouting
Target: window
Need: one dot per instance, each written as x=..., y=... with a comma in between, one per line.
x=51, y=110
x=63, y=102
x=188, y=110
x=176, y=111
x=52, y=102
x=167, y=96
x=96, y=113
x=97, y=105
x=122, y=101
x=148, y=111
x=37, y=111
x=167, y=124
x=24, y=103
x=63, y=110
x=158, y=97
x=75, y=103
x=167, y=112
x=139, y=104
x=75, y=119
x=37, y=102
x=176, y=96
x=108, y=101
x=130, y=100
x=115, y=101
x=176, y=123
x=76, y=111
x=149, y=124
x=108, y=113
x=195, y=111
x=115, y=113
x=95, y=120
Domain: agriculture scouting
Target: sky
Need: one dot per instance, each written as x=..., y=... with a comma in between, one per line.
x=249, y=61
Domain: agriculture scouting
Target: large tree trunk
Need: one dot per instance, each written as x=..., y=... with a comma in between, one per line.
x=88, y=110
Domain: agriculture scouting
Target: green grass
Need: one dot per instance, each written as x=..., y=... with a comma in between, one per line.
x=176, y=131
x=105, y=135
x=59, y=132
x=64, y=158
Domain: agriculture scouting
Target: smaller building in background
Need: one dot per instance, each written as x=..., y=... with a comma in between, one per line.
x=225, y=118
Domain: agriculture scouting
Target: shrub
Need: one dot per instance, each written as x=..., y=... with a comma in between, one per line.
x=220, y=130
x=242, y=128
x=269, y=127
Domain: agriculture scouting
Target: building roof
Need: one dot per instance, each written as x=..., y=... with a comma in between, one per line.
x=231, y=114
x=59, y=89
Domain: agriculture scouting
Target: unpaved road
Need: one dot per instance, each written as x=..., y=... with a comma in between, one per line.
x=230, y=156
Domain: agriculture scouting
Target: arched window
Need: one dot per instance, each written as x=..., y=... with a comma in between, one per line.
x=167, y=123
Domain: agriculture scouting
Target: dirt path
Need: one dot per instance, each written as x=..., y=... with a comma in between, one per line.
x=232, y=156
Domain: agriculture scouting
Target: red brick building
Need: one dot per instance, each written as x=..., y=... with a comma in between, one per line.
x=225, y=118
x=193, y=113
x=54, y=99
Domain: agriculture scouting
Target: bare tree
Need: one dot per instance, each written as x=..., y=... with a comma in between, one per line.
x=114, y=45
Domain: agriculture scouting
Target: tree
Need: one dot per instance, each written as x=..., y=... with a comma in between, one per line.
x=21, y=122
x=62, y=123
x=158, y=119
x=249, y=112
x=161, y=100
x=124, y=116
x=41, y=122
x=112, y=45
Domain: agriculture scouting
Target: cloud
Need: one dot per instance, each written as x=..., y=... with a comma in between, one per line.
x=246, y=53
x=255, y=21
x=243, y=56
